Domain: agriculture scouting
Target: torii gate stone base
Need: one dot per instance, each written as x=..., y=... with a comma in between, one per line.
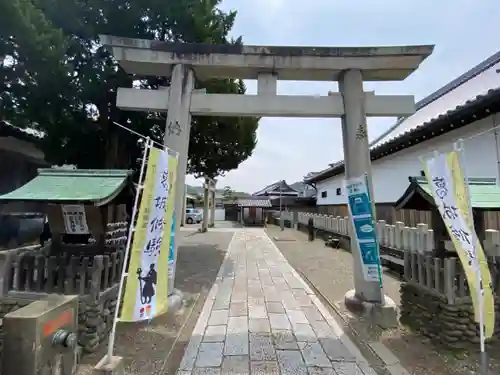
x=350, y=66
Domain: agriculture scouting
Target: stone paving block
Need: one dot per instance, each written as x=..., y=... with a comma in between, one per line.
x=272, y=295
x=221, y=304
x=259, y=325
x=275, y=272
x=210, y=354
x=256, y=301
x=312, y=313
x=236, y=365
x=336, y=350
x=290, y=303
x=261, y=347
x=257, y=312
x=304, y=332
x=236, y=343
x=183, y=372
x=346, y=368
x=266, y=281
x=206, y=371
x=265, y=368
x=255, y=292
x=215, y=334
x=275, y=307
x=278, y=279
x=240, y=286
x=293, y=283
x=291, y=362
x=279, y=321
x=313, y=354
x=190, y=353
x=238, y=309
x=284, y=339
x=218, y=317
x=299, y=293
x=322, y=329
x=239, y=296
x=297, y=317
x=237, y=324
x=321, y=371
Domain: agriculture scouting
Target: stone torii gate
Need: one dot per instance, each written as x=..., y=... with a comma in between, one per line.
x=349, y=66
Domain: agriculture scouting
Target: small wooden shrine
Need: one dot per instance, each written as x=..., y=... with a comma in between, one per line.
x=87, y=215
x=83, y=207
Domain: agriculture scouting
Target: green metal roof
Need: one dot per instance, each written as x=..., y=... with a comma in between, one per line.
x=71, y=185
x=484, y=193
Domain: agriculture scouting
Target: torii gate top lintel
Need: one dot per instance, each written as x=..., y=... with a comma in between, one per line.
x=150, y=57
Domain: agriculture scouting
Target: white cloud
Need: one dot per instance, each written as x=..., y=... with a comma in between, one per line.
x=289, y=148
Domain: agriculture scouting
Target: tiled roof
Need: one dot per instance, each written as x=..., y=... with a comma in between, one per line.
x=456, y=90
x=264, y=203
x=443, y=123
x=276, y=187
x=66, y=185
x=474, y=82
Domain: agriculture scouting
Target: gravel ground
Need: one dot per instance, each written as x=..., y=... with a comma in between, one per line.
x=330, y=272
x=158, y=347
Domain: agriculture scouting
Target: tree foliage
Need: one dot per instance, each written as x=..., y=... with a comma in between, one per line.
x=56, y=77
x=228, y=193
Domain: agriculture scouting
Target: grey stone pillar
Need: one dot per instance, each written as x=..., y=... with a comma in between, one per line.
x=177, y=130
x=212, y=207
x=357, y=163
x=206, y=198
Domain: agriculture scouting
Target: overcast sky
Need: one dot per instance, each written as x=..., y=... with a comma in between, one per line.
x=464, y=32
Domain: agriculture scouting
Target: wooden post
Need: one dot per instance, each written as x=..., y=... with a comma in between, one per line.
x=439, y=232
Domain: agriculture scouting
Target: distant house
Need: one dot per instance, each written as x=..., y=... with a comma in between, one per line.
x=277, y=189
x=284, y=195
x=466, y=108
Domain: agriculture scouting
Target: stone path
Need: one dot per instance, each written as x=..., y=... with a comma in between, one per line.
x=262, y=318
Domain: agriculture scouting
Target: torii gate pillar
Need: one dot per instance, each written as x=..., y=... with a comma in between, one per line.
x=177, y=131
x=358, y=163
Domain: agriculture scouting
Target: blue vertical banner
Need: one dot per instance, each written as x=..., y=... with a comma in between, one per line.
x=171, y=250
x=360, y=207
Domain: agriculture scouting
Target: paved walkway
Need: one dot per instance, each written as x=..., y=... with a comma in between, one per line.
x=262, y=318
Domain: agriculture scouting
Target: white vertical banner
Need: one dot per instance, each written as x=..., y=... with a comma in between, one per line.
x=146, y=294
x=75, y=219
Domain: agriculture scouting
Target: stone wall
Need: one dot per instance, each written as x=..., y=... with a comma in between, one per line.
x=95, y=319
x=450, y=325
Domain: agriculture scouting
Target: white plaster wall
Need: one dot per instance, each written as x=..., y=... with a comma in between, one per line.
x=390, y=174
x=220, y=214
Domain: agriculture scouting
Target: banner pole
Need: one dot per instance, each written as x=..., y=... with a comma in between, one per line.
x=483, y=364
x=112, y=334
